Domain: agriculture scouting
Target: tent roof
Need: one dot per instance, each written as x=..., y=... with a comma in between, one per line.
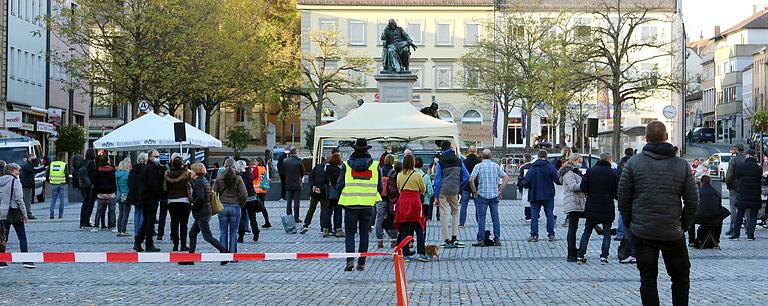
x=152, y=131
x=387, y=121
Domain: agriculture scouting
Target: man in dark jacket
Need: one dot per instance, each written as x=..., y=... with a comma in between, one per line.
x=732, y=181
x=628, y=153
x=450, y=177
x=27, y=178
x=600, y=184
x=150, y=184
x=134, y=179
x=748, y=188
x=318, y=181
x=709, y=213
x=650, y=190
x=357, y=200
x=281, y=172
x=466, y=193
x=294, y=177
x=540, y=181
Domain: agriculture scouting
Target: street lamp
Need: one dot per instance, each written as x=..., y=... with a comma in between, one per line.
x=71, y=91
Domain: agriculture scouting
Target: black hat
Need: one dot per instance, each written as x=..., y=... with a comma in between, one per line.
x=361, y=144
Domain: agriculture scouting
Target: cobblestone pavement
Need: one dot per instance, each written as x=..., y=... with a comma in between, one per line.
x=516, y=273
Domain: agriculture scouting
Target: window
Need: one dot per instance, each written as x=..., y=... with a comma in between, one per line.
x=26, y=67
x=419, y=72
x=103, y=111
x=327, y=24
x=19, y=65
x=12, y=62
x=445, y=115
x=27, y=10
x=472, y=117
x=357, y=77
x=416, y=31
x=34, y=11
x=582, y=29
x=649, y=73
x=443, y=33
x=239, y=114
x=648, y=34
x=444, y=75
x=518, y=31
x=515, y=131
x=471, y=78
x=40, y=70
x=472, y=34
x=33, y=69
x=356, y=33
x=13, y=7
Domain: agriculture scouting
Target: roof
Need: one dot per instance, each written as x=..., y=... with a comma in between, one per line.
x=400, y=2
x=756, y=21
x=694, y=96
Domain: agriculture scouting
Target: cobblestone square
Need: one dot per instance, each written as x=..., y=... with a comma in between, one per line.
x=517, y=273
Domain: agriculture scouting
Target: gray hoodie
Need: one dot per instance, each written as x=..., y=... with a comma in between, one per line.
x=10, y=183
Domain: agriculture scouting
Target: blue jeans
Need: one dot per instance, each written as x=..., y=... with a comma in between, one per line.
x=481, y=206
x=58, y=191
x=619, y=228
x=589, y=227
x=334, y=209
x=138, y=217
x=229, y=223
x=549, y=208
x=465, y=196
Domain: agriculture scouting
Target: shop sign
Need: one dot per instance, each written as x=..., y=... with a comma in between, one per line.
x=45, y=127
x=13, y=120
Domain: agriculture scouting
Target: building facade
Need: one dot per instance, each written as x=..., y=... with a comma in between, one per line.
x=60, y=81
x=26, y=77
x=443, y=32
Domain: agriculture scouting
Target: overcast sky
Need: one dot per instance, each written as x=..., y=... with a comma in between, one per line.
x=703, y=15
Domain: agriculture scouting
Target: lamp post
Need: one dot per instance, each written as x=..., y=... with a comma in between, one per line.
x=71, y=92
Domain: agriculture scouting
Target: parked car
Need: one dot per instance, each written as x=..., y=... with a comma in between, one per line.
x=703, y=134
x=427, y=155
x=718, y=164
x=13, y=147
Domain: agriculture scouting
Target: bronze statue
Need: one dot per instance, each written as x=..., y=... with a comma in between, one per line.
x=396, y=54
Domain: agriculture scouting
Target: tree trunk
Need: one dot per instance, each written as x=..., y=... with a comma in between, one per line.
x=616, y=139
x=218, y=122
x=528, y=118
x=561, y=126
x=263, y=119
x=282, y=131
x=319, y=109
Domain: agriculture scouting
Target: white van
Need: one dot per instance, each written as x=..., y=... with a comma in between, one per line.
x=13, y=147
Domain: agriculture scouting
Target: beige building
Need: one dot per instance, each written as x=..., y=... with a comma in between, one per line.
x=443, y=31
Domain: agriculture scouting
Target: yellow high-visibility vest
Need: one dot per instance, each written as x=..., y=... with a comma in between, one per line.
x=57, y=174
x=360, y=190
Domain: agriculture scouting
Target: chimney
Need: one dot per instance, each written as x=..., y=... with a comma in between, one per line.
x=717, y=31
x=754, y=9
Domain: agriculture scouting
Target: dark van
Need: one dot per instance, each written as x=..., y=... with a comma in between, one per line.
x=702, y=135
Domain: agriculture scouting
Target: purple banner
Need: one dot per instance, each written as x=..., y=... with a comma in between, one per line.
x=495, y=119
x=524, y=123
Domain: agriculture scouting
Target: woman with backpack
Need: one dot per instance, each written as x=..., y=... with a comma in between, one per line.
x=261, y=182
x=382, y=207
x=409, y=216
x=178, y=182
x=233, y=196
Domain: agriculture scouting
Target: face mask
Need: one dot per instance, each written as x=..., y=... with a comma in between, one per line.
x=577, y=165
x=156, y=161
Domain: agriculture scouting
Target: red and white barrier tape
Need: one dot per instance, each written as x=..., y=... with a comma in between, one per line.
x=67, y=257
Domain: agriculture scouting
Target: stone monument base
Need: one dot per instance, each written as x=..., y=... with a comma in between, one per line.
x=394, y=88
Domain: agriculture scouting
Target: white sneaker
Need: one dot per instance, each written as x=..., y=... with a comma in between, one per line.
x=114, y=230
x=95, y=230
x=627, y=260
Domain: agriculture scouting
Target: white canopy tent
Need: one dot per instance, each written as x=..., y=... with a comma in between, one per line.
x=152, y=131
x=386, y=122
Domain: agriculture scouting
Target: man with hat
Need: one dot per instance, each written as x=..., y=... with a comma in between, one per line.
x=732, y=181
x=749, y=190
x=360, y=187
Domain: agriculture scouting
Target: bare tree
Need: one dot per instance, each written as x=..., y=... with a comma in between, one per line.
x=625, y=58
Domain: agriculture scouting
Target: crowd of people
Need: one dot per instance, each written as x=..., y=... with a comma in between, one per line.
x=658, y=195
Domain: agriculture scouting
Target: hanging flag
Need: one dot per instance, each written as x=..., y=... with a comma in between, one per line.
x=495, y=119
x=524, y=123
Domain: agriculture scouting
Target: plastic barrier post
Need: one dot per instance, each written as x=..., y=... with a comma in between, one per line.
x=400, y=282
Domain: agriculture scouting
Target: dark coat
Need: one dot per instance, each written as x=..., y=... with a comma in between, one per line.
x=748, y=187
x=650, y=190
x=27, y=174
x=201, y=198
x=317, y=178
x=133, y=185
x=293, y=170
x=709, y=206
x=151, y=183
x=470, y=162
x=541, y=180
x=247, y=177
x=731, y=179
x=600, y=184
x=176, y=181
x=520, y=177
x=104, y=182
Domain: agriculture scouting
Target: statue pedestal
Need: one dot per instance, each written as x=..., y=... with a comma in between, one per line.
x=394, y=88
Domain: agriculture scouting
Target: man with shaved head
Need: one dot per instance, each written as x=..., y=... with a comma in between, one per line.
x=658, y=201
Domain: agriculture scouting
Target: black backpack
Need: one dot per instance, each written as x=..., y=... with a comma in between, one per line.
x=623, y=252
x=83, y=180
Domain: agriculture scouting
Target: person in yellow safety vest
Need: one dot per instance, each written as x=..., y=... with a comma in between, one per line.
x=360, y=186
x=58, y=178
